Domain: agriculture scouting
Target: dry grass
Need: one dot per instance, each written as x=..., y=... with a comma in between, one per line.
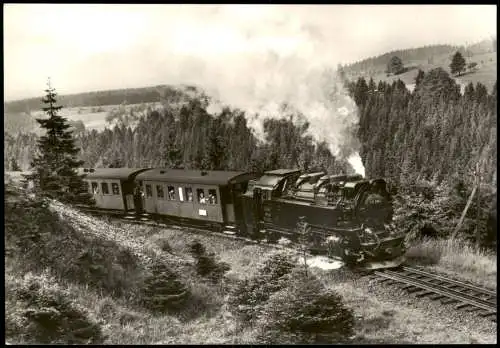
x=206, y=319
x=384, y=320
x=243, y=257
x=456, y=258
x=486, y=74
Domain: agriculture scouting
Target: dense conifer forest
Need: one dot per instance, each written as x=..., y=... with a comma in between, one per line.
x=431, y=139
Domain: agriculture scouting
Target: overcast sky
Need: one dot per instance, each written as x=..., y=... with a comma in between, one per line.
x=93, y=47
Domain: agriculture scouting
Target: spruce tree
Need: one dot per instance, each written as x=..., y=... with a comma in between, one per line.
x=54, y=172
x=14, y=166
x=457, y=63
x=163, y=291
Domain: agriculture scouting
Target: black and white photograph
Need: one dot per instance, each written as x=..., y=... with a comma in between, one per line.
x=250, y=174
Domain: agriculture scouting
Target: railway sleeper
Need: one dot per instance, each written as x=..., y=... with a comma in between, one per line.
x=437, y=297
x=487, y=314
x=423, y=293
x=463, y=305
x=434, y=281
x=449, y=301
x=387, y=281
x=408, y=287
x=411, y=289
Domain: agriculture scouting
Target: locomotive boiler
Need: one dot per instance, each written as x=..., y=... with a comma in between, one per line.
x=346, y=217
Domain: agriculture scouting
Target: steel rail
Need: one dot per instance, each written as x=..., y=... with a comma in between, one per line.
x=442, y=289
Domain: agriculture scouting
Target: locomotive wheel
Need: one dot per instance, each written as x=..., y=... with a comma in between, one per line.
x=348, y=256
x=272, y=237
x=351, y=257
x=314, y=238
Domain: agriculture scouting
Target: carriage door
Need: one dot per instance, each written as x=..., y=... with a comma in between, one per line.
x=227, y=200
x=129, y=201
x=138, y=197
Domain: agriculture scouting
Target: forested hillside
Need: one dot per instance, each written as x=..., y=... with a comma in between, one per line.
x=193, y=138
x=190, y=137
x=379, y=63
x=427, y=143
x=110, y=97
x=434, y=132
x=480, y=59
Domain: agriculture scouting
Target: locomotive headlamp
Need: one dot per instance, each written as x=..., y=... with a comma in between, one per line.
x=332, y=239
x=369, y=236
x=368, y=230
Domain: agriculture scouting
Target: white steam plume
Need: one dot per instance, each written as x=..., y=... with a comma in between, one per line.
x=316, y=94
x=255, y=58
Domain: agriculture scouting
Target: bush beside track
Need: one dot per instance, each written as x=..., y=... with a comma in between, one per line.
x=116, y=315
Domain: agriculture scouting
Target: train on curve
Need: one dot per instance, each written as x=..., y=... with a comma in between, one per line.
x=343, y=216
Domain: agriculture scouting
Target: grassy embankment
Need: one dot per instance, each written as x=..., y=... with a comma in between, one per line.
x=456, y=258
x=485, y=73
x=88, y=273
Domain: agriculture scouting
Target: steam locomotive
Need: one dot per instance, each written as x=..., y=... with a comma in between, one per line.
x=344, y=216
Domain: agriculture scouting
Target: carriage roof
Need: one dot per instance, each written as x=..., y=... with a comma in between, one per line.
x=112, y=173
x=208, y=177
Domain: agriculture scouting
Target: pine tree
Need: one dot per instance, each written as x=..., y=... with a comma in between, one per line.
x=457, y=63
x=54, y=172
x=14, y=166
x=395, y=65
x=163, y=291
x=419, y=78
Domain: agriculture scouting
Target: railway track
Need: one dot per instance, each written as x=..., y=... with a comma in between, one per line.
x=421, y=283
x=197, y=229
x=416, y=281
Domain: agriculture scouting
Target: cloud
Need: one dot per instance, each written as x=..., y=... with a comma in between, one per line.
x=256, y=58
x=62, y=40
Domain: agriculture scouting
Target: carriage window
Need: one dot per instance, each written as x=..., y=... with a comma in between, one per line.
x=201, y=196
x=105, y=188
x=212, y=196
x=181, y=195
x=149, y=191
x=171, y=193
x=189, y=194
x=159, y=191
x=95, y=188
x=284, y=188
x=115, y=188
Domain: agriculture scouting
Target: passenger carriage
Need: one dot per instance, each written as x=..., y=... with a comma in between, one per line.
x=112, y=188
x=202, y=197
x=345, y=216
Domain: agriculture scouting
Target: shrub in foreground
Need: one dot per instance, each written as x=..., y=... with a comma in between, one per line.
x=45, y=315
x=40, y=240
x=304, y=312
x=249, y=295
x=206, y=264
x=162, y=291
